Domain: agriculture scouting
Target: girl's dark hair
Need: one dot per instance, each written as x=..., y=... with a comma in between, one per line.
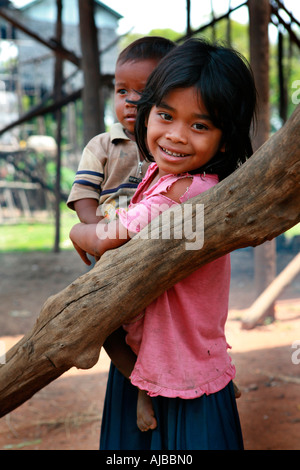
x=148, y=47
x=225, y=82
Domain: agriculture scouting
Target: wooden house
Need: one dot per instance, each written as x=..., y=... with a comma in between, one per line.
x=36, y=61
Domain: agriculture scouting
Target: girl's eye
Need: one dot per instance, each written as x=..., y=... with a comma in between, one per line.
x=199, y=127
x=165, y=116
x=122, y=91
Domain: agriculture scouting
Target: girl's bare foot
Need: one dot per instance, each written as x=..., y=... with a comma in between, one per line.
x=145, y=413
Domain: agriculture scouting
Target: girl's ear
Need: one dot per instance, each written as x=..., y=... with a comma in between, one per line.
x=222, y=146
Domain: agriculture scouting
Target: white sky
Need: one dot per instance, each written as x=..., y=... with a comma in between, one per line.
x=168, y=13
x=144, y=15
x=141, y=16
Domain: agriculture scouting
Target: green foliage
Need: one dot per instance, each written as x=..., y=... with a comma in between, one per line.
x=67, y=177
x=291, y=71
x=165, y=33
x=36, y=236
x=293, y=232
x=239, y=35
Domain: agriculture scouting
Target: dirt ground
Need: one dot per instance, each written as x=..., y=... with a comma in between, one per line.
x=66, y=415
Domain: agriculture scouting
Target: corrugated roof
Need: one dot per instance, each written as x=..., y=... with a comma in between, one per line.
x=100, y=4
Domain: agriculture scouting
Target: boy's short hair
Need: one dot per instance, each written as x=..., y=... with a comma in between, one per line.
x=148, y=47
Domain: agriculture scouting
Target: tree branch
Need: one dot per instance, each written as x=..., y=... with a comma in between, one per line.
x=256, y=203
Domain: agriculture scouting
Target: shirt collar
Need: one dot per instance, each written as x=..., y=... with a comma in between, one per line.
x=117, y=132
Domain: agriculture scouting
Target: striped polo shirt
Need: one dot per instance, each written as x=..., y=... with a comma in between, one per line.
x=109, y=170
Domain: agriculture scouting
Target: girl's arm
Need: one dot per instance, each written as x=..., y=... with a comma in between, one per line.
x=96, y=239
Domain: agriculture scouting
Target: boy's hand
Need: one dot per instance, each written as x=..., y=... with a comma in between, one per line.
x=83, y=238
x=82, y=254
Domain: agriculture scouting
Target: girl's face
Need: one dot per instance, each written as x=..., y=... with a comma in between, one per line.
x=180, y=134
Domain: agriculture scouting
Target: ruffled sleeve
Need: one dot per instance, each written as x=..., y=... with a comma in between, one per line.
x=148, y=204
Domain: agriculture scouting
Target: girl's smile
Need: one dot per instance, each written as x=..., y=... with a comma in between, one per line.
x=180, y=134
x=170, y=155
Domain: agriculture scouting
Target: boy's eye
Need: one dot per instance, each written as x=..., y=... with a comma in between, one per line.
x=122, y=91
x=165, y=116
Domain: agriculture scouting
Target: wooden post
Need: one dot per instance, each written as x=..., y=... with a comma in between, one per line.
x=272, y=292
x=259, y=18
x=93, y=110
x=58, y=81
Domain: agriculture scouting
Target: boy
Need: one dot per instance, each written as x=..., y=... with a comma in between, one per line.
x=111, y=168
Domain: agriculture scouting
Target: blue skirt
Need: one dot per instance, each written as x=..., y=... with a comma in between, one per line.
x=210, y=422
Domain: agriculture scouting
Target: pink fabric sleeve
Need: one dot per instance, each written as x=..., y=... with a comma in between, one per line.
x=199, y=184
x=139, y=215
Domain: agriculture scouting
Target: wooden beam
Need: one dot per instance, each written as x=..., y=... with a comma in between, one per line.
x=258, y=309
x=42, y=109
x=287, y=26
x=50, y=44
x=211, y=23
x=256, y=203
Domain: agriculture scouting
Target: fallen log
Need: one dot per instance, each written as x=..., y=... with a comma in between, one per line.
x=259, y=307
x=256, y=203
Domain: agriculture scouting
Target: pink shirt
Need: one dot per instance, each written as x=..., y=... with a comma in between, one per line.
x=179, y=338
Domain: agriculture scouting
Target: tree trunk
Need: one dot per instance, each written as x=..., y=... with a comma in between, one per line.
x=259, y=18
x=93, y=112
x=58, y=82
x=74, y=323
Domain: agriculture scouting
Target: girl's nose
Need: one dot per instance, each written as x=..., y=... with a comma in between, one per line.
x=176, y=134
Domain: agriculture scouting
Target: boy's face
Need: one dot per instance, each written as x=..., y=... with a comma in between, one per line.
x=130, y=80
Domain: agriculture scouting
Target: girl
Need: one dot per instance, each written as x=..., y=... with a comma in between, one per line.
x=193, y=122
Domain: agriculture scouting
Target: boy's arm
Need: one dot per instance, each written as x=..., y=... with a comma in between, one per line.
x=86, y=210
x=96, y=239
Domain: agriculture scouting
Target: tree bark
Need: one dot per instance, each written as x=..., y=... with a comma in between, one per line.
x=254, y=204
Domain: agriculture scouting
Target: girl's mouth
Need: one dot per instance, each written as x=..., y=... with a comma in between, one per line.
x=174, y=154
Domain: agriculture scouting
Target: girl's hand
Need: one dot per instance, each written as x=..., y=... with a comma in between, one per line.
x=96, y=239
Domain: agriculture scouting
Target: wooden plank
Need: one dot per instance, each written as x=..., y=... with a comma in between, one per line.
x=258, y=309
